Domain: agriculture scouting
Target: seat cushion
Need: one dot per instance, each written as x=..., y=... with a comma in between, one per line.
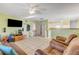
x=7, y=50
x=55, y=52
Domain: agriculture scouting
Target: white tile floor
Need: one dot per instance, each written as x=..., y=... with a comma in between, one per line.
x=32, y=44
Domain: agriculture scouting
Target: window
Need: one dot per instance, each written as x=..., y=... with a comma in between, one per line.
x=73, y=24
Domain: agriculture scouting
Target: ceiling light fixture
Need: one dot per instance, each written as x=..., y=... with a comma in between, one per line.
x=31, y=11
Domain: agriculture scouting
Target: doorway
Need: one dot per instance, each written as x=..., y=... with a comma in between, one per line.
x=40, y=28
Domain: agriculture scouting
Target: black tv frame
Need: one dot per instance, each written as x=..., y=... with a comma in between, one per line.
x=17, y=23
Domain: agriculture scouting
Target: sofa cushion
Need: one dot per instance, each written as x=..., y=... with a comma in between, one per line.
x=56, y=45
x=56, y=52
x=61, y=38
x=7, y=50
x=72, y=36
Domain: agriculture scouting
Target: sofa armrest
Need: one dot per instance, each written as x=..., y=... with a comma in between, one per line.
x=1, y=53
x=16, y=48
x=40, y=52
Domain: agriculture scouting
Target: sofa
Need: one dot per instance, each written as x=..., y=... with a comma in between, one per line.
x=73, y=48
x=12, y=38
x=1, y=53
x=17, y=49
x=56, y=46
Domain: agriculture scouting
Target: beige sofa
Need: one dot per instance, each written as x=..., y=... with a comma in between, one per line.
x=56, y=46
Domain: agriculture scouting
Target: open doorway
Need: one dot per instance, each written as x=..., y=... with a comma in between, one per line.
x=40, y=29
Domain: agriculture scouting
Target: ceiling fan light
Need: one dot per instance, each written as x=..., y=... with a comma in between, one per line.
x=31, y=12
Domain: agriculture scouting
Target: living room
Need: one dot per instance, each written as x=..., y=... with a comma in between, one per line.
x=38, y=28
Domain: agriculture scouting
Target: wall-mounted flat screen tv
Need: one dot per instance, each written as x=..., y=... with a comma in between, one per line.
x=14, y=23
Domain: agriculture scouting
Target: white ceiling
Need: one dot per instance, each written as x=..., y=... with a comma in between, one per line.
x=52, y=10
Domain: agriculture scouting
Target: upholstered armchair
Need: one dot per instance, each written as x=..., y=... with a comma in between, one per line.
x=56, y=46
x=65, y=40
x=72, y=49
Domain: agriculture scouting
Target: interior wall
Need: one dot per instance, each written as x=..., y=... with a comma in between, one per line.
x=3, y=24
x=32, y=27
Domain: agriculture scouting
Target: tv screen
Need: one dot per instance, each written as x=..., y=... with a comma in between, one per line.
x=14, y=23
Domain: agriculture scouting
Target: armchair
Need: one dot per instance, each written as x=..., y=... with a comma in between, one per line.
x=56, y=46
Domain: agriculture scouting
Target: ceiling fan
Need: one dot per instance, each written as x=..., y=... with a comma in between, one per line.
x=36, y=9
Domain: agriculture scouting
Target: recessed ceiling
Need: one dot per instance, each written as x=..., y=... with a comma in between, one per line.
x=52, y=10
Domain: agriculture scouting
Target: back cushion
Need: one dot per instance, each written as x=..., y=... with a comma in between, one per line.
x=61, y=38
x=56, y=45
x=72, y=36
